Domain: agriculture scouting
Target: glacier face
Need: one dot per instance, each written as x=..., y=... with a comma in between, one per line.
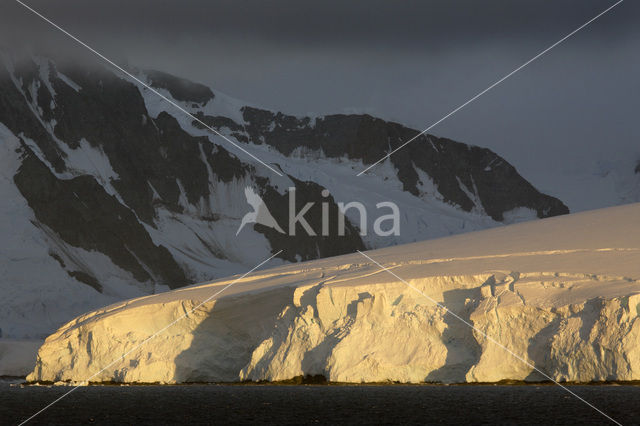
x=561, y=295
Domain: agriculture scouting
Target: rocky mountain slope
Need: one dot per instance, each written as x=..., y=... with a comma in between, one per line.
x=110, y=192
x=562, y=294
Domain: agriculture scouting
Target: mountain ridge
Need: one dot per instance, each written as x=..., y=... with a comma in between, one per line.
x=128, y=196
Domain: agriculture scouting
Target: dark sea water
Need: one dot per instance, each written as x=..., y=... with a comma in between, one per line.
x=317, y=404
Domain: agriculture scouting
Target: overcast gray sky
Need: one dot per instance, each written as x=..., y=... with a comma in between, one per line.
x=409, y=61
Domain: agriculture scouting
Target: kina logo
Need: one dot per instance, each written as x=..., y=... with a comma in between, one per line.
x=260, y=213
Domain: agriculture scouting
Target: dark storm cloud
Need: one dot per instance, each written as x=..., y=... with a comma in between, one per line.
x=400, y=24
x=410, y=61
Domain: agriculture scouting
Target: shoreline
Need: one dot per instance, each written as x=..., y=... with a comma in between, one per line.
x=318, y=381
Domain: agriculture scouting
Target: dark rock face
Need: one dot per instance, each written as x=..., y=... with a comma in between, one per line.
x=456, y=168
x=180, y=89
x=303, y=246
x=638, y=168
x=146, y=154
x=87, y=279
x=16, y=114
x=80, y=276
x=84, y=215
x=495, y=182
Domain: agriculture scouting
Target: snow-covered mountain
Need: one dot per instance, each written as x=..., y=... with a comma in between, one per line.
x=109, y=192
x=561, y=295
x=591, y=181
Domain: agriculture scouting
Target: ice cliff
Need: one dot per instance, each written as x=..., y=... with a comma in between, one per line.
x=562, y=293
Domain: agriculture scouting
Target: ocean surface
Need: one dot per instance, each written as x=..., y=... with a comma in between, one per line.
x=320, y=404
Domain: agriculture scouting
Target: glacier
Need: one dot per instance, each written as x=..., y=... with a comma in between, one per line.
x=561, y=293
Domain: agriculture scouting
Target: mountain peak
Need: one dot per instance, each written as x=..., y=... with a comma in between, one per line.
x=180, y=89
